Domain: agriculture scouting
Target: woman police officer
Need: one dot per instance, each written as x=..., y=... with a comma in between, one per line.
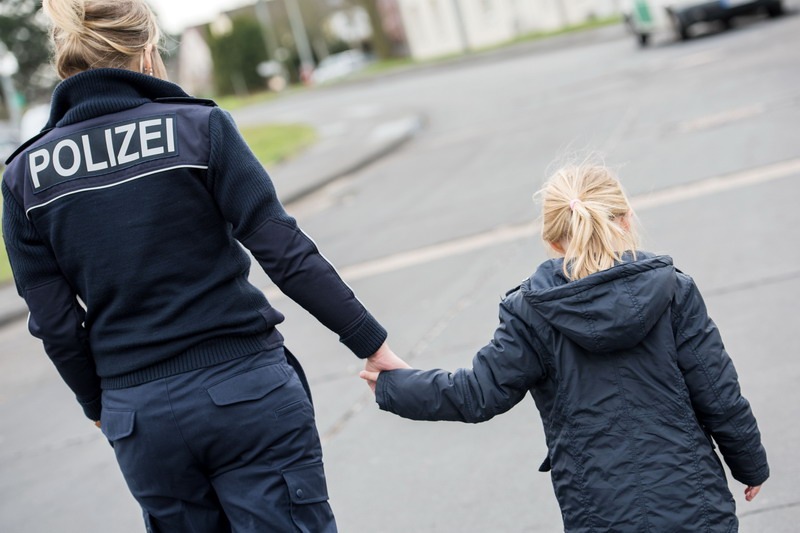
x=121, y=220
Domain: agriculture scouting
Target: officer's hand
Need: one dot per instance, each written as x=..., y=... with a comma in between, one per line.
x=97, y=423
x=383, y=359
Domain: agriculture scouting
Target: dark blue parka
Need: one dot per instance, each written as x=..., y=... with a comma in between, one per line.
x=633, y=385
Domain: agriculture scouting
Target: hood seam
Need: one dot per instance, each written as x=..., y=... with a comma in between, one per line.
x=589, y=319
x=642, y=324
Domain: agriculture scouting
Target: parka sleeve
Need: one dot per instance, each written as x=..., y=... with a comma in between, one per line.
x=247, y=200
x=55, y=315
x=713, y=386
x=502, y=373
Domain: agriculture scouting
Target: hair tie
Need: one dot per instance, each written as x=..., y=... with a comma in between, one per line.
x=572, y=203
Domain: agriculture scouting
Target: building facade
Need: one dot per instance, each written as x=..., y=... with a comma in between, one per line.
x=441, y=27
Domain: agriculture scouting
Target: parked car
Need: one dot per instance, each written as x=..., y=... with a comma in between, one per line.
x=646, y=17
x=339, y=65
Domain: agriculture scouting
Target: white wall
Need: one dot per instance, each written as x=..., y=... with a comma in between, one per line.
x=432, y=26
x=194, y=63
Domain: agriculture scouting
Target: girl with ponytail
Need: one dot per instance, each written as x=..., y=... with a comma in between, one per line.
x=123, y=221
x=629, y=374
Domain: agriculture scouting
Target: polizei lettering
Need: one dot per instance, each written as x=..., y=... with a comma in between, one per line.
x=97, y=151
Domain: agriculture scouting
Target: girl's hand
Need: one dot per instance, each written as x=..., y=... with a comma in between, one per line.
x=369, y=376
x=749, y=492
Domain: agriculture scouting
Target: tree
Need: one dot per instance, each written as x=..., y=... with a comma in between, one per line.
x=382, y=46
x=236, y=55
x=24, y=32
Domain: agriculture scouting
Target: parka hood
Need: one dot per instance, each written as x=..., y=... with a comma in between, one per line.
x=606, y=311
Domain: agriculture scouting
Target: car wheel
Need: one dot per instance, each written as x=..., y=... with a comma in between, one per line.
x=644, y=39
x=681, y=30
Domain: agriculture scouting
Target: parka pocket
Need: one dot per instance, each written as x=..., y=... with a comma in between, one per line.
x=308, y=496
x=250, y=385
x=116, y=424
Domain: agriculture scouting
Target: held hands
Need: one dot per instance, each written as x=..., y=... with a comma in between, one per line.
x=383, y=359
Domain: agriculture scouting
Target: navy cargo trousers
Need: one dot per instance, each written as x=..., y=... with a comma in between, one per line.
x=229, y=448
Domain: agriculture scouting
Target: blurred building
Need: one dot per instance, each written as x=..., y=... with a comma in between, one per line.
x=195, y=68
x=420, y=29
x=440, y=27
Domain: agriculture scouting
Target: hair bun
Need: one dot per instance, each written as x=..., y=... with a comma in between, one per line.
x=67, y=15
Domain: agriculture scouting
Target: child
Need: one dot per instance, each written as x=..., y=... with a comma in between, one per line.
x=628, y=372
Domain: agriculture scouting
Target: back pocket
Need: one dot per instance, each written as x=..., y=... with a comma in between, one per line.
x=250, y=385
x=116, y=424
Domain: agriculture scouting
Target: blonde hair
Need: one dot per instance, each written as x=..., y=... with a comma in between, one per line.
x=91, y=34
x=584, y=210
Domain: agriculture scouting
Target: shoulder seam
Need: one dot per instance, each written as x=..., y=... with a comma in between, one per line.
x=189, y=100
x=24, y=146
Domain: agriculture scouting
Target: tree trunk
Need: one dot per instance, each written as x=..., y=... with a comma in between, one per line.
x=381, y=45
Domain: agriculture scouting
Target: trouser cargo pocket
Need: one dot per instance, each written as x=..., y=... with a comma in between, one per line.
x=308, y=496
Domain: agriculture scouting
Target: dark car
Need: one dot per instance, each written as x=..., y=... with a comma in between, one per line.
x=645, y=17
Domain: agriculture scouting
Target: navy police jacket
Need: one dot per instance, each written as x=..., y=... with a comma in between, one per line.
x=123, y=222
x=633, y=385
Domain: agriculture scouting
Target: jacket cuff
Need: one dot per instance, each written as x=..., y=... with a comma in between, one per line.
x=92, y=409
x=365, y=339
x=755, y=480
x=382, y=396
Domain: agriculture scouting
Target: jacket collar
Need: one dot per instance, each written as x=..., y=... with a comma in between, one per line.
x=102, y=91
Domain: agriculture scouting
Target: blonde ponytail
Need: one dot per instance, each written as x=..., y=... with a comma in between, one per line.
x=91, y=34
x=585, y=212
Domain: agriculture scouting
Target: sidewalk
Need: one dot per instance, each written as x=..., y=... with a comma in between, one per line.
x=345, y=144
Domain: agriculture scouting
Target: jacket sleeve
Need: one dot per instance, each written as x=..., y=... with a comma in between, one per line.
x=502, y=373
x=55, y=315
x=714, y=389
x=247, y=199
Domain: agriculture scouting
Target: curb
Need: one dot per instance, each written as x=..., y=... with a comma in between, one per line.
x=602, y=34
x=360, y=164
x=18, y=311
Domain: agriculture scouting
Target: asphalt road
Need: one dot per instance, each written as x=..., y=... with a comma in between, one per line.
x=705, y=136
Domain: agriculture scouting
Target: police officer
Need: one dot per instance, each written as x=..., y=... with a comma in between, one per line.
x=121, y=220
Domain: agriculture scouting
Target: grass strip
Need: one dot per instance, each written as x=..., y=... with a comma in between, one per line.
x=274, y=143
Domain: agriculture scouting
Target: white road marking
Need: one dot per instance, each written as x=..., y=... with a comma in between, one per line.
x=717, y=184
x=697, y=59
x=720, y=119
x=528, y=230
